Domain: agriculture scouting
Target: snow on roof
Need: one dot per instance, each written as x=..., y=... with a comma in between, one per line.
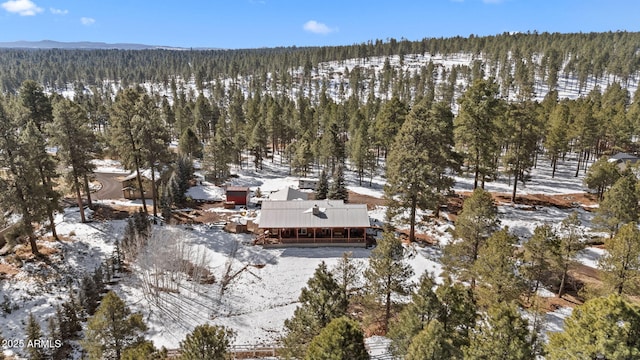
x=624, y=157
x=288, y=193
x=297, y=214
x=237, y=188
x=146, y=173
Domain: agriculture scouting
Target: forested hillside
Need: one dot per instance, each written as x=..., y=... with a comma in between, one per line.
x=427, y=126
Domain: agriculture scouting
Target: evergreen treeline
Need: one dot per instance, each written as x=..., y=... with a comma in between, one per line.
x=581, y=54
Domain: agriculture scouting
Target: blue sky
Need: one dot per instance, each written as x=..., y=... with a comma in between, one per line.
x=269, y=23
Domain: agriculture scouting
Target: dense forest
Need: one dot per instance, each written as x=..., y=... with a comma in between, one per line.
x=232, y=107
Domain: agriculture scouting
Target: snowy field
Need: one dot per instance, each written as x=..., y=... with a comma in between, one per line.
x=265, y=283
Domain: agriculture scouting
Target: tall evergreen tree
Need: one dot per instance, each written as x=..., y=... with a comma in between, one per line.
x=76, y=144
x=601, y=175
x=420, y=162
x=112, y=329
x=322, y=190
x=33, y=338
x=503, y=335
x=557, y=140
x=22, y=189
x=207, y=342
x=621, y=263
x=601, y=328
x=123, y=136
x=387, y=275
x=153, y=137
x=320, y=302
x=537, y=256
x=347, y=274
x=338, y=188
x=496, y=269
x=476, y=130
x=341, y=339
x=620, y=204
x=475, y=224
x=570, y=236
x=431, y=343
x=524, y=133
x=37, y=115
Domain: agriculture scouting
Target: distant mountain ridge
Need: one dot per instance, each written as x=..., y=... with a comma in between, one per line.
x=51, y=44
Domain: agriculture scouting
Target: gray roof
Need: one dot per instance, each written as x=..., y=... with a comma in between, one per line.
x=623, y=157
x=300, y=214
x=288, y=194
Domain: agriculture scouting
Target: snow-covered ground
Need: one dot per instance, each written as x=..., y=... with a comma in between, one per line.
x=267, y=282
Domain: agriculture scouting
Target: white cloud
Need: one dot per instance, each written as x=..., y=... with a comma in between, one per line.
x=58, y=11
x=21, y=7
x=317, y=27
x=87, y=21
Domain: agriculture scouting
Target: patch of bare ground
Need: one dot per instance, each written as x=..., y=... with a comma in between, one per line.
x=563, y=201
x=112, y=212
x=372, y=202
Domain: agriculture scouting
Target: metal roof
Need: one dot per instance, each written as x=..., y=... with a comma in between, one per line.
x=300, y=214
x=288, y=194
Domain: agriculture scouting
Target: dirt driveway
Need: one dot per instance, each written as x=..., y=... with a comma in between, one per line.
x=111, y=186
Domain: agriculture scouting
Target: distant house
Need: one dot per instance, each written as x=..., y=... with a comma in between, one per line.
x=311, y=184
x=288, y=194
x=131, y=189
x=238, y=194
x=624, y=159
x=313, y=223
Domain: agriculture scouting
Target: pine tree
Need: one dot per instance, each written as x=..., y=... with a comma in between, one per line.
x=431, y=343
x=258, y=143
x=475, y=224
x=123, y=136
x=458, y=312
x=207, y=342
x=153, y=137
x=621, y=263
x=179, y=181
x=33, y=337
x=524, y=133
x=21, y=188
x=217, y=155
x=320, y=302
x=570, y=244
x=112, y=329
x=89, y=295
x=496, y=269
x=76, y=144
x=420, y=162
x=388, y=122
x=557, y=140
x=476, y=130
x=601, y=175
x=144, y=350
x=38, y=115
x=387, y=275
x=415, y=317
x=189, y=144
x=338, y=188
x=537, y=256
x=341, y=339
x=601, y=328
x=347, y=274
x=503, y=335
x=620, y=204
x=323, y=186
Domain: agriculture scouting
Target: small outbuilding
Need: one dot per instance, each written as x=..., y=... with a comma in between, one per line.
x=131, y=189
x=310, y=184
x=238, y=194
x=622, y=158
x=288, y=194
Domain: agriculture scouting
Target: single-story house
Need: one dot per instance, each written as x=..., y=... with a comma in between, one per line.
x=288, y=194
x=238, y=194
x=624, y=158
x=314, y=223
x=130, y=188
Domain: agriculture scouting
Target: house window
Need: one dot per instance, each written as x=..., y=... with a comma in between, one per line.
x=302, y=231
